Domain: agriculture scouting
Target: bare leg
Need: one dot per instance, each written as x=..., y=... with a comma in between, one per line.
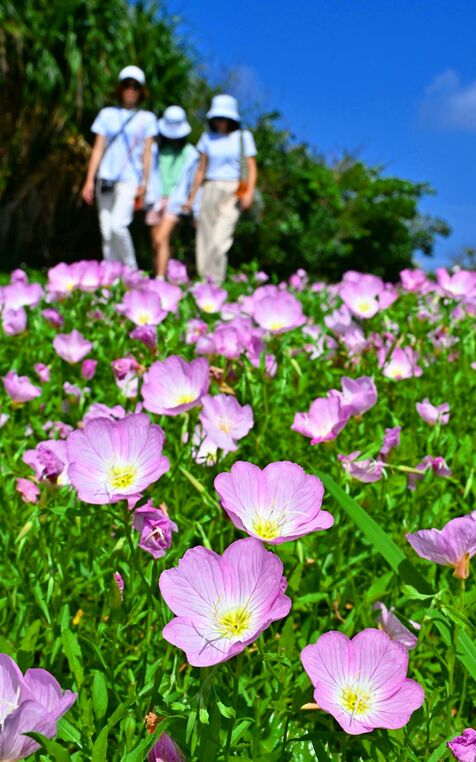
x=162, y=239
x=154, y=230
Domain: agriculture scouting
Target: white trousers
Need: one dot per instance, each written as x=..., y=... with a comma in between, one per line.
x=219, y=213
x=116, y=210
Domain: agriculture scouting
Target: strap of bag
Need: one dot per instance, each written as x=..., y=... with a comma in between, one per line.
x=243, y=164
x=130, y=148
x=114, y=137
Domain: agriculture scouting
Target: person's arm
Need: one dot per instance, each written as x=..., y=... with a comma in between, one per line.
x=199, y=178
x=141, y=189
x=96, y=155
x=252, y=175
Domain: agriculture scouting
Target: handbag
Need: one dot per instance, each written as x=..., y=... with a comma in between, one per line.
x=257, y=207
x=107, y=186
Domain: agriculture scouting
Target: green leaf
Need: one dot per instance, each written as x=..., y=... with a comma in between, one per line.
x=99, y=694
x=99, y=750
x=54, y=749
x=73, y=654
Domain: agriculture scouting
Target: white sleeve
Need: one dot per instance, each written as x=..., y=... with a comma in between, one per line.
x=202, y=145
x=151, y=127
x=249, y=147
x=100, y=124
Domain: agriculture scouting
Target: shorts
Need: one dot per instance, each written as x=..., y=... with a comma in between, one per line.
x=156, y=213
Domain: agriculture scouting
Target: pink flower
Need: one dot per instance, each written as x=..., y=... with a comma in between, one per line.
x=168, y=294
x=112, y=460
x=367, y=471
x=454, y=545
x=391, y=439
x=209, y=298
x=143, y=307
x=33, y=702
x=155, y=529
x=165, y=749
x=124, y=365
x=279, y=313
x=18, y=295
x=28, y=490
x=362, y=682
x=461, y=284
x=147, y=334
x=204, y=449
x=14, y=322
x=42, y=371
x=414, y=280
x=401, y=364
x=173, y=385
x=63, y=279
x=433, y=414
x=276, y=504
x=19, y=388
x=437, y=465
x=195, y=329
x=222, y=603
x=98, y=410
x=49, y=461
x=120, y=584
x=72, y=347
x=53, y=317
x=357, y=395
x=225, y=421
x=88, y=369
x=176, y=272
x=463, y=747
x=324, y=421
x=361, y=294
x=388, y=622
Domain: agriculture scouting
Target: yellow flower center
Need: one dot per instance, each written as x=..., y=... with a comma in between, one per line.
x=266, y=529
x=224, y=426
x=394, y=371
x=185, y=398
x=276, y=325
x=143, y=318
x=355, y=701
x=208, y=307
x=122, y=477
x=364, y=306
x=235, y=622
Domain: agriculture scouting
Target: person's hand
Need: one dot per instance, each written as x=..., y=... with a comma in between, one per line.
x=87, y=193
x=139, y=197
x=187, y=207
x=246, y=200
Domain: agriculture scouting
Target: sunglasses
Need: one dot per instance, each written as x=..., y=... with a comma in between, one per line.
x=130, y=83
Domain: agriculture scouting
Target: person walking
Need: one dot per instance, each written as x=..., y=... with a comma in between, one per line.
x=120, y=163
x=227, y=168
x=174, y=164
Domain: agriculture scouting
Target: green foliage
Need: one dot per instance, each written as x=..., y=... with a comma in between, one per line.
x=59, y=64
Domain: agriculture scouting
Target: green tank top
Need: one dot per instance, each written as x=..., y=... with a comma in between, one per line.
x=171, y=164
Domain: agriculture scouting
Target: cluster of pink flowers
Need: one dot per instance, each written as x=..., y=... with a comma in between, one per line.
x=327, y=416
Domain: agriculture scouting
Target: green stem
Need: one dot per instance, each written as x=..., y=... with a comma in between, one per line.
x=239, y=665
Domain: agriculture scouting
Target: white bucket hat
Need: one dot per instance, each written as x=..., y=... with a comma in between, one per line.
x=132, y=72
x=174, y=123
x=224, y=106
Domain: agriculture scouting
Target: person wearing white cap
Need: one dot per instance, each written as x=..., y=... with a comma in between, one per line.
x=120, y=163
x=174, y=164
x=227, y=169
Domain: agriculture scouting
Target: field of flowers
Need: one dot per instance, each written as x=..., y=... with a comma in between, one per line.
x=236, y=523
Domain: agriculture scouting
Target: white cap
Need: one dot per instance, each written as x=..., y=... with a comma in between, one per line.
x=174, y=123
x=132, y=72
x=224, y=106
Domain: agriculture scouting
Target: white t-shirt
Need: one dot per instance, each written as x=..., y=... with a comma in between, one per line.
x=123, y=159
x=223, y=152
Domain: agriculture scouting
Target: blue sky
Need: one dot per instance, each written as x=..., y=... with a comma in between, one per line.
x=393, y=80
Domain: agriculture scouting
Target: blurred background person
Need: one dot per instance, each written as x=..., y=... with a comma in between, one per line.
x=173, y=169
x=119, y=166
x=227, y=168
